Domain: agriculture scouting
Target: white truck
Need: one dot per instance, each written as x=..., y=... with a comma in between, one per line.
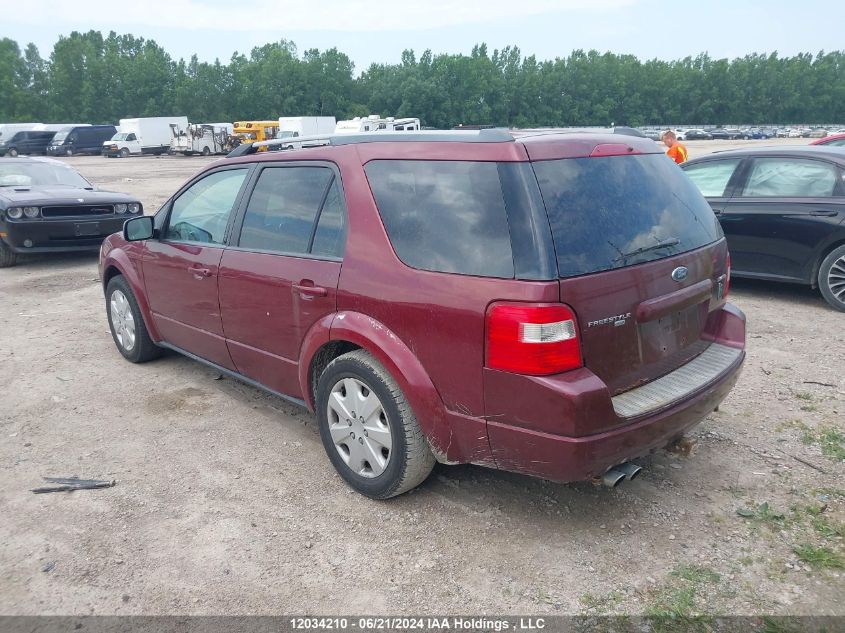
x=149, y=135
x=295, y=126
x=201, y=138
x=374, y=123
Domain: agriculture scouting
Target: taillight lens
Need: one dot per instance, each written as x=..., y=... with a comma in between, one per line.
x=727, y=275
x=533, y=339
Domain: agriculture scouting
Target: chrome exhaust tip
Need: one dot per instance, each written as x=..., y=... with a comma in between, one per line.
x=630, y=470
x=612, y=478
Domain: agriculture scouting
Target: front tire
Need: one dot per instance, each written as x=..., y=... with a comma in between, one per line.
x=124, y=153
x=206, y=151
x=8, y=258
x=127, y=323
x=832, y=278
x=13, y=152
x=368, y=429
x=69, y=152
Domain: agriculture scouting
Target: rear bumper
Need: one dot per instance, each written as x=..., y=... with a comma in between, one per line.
x=66, y=235
x=564, y=458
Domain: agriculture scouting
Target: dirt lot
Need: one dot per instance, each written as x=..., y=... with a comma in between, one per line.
x=226, y=504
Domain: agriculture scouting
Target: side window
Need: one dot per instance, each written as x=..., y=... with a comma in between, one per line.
x=331, y=227
x=283, y=207
x=713, y=176
x=201, y=213
x=446, y=216
x=790, y=177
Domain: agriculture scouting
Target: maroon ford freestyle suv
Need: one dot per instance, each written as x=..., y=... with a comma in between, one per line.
x=553, y=305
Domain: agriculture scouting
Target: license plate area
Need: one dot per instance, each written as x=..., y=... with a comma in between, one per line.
x=670, y=334
x=87, y=229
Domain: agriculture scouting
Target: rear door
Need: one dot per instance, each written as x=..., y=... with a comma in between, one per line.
x=641, y=260
x=181, y=268
x=282, y=274
x=781, y=214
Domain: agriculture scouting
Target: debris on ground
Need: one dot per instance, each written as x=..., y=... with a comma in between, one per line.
x=68, y=484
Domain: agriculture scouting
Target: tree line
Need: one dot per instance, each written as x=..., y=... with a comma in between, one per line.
x=93, y=78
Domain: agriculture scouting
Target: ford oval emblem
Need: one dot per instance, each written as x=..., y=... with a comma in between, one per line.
x=680, y=273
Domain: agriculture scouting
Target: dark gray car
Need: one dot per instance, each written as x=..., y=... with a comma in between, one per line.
x=46, y=206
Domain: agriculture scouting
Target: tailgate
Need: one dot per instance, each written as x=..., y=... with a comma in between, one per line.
x=639, y=323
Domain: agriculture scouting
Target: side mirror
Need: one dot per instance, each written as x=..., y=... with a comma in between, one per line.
x=137, y=229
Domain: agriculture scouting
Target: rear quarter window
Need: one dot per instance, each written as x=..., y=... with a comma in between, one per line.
x=618, y=211
x=444, y=216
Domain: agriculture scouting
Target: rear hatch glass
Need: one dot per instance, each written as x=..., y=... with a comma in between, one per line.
x=621, y=226
x=617, y=211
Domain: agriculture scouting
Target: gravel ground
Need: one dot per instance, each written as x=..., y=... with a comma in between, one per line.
x=225, y=502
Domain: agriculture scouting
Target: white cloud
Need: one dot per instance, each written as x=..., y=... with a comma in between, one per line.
x=286, y=15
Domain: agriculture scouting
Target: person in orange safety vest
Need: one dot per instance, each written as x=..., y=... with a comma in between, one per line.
x=676, y=151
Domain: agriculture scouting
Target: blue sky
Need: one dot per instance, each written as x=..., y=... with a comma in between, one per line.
x=376, y=31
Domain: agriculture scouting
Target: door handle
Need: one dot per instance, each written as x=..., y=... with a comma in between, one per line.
x=308, y=289
x=198, y=272
x=824, y=214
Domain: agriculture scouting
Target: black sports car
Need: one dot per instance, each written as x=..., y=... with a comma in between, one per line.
x=783, y=212
x=46, y=206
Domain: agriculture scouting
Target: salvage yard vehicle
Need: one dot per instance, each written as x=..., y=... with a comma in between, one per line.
x=374, y=123
x=252, y=131
x=837, y=140
x=730, y=134
x=86, y=139
x=46, y=206
x=150, y=135
x=783, y=212
x=697, y=135
x=27, y=142
x=296, y=126
x=201, y=138
x=553, y=305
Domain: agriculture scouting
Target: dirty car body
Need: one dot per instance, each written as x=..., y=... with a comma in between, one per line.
x=524, y=324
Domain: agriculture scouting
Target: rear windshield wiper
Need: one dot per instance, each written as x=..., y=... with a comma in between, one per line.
x=669, y=241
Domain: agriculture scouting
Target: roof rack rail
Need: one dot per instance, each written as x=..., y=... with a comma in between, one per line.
x=495, y=135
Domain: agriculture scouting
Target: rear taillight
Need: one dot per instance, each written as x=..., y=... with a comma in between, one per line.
x=535, y=339
x=727, y=275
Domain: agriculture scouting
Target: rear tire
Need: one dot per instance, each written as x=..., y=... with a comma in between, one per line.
x=206, y=151
x=8, y=258
x=390, y=455
x=127, y=323
x=832, y=278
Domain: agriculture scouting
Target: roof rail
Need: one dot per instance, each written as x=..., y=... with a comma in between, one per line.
x=496, y=135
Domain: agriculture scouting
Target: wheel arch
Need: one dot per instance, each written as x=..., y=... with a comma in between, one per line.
x=346, y=331
x=118, y=263
x=822, y=254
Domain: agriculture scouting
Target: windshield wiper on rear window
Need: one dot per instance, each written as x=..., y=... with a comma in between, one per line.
x=669, y=241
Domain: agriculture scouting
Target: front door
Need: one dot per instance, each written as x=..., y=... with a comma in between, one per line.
x=181, y=268
x=281, y=275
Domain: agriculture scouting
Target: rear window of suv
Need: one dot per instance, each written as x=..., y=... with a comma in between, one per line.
x=444, y=216
x=618, y=211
